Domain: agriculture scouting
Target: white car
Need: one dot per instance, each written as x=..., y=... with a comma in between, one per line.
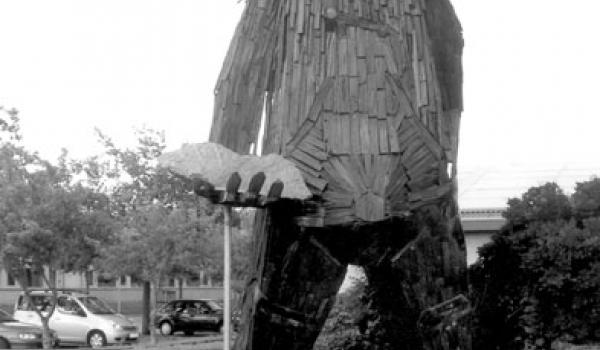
x=79, y=318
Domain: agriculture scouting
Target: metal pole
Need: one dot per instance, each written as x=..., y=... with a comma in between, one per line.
x=227, y=279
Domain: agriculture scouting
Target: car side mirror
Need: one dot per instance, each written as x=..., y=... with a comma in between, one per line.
x=81, y=313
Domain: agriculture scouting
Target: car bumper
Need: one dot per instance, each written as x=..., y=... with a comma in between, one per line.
x=124, y=336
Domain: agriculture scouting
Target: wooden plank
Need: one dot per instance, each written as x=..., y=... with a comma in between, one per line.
x=382, y=169
x=363, y=98
x=332, y=53
x=384, y=146
x=345, y=134
x=305, y=169
x=370, y=54
x=300, y=17
x=392, y=136
x=426, y=136
x=315, y=141
x=314, y=151
x=370, y=207
x=328, y=131
x=345, y=94
x=388, y=57
x=381, y=103
x=352, y=59
x=316, y=182
x=343, y=56
x=308, y=159
x=361, y=44
x=372, y=94
x=364, y=134
x=354, y=97
x=381, y=71
x=373, y=136
x=391, y=102
x=362, y=70
x=355, y=134
x=368, y=161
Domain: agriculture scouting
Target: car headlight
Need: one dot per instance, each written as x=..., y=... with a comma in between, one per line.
x=117, y=326
x=27, y=336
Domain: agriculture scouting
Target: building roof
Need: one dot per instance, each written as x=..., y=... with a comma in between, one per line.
x=482, y=220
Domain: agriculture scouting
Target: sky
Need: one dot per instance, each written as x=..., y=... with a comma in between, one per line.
x=531, y=78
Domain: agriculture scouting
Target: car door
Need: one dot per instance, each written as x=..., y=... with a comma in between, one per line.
x=69, y=321
x=181, y=317
x=205, y=318
x=24, y=311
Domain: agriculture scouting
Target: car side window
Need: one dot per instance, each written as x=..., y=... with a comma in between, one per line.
x=68, y=306
x=179, y=306
x=41, y=302
x=168, y=307
x=202, y=307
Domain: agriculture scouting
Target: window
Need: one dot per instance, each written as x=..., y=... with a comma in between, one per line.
x=10, y=280
x=106, y=280
x=89, y=277
x=68, y=306
x=42, y=302
x=96, y=305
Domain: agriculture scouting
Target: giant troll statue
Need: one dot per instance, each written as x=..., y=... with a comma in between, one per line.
x=364, y=97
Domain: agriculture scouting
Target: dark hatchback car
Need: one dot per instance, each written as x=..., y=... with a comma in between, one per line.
x=189, y=316
x=17, y=335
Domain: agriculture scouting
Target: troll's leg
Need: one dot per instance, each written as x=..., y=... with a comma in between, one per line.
x=419, y=289
x=293, y=284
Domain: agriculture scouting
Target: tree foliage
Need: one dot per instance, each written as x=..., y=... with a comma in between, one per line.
x=539, y=279
x=47, y=220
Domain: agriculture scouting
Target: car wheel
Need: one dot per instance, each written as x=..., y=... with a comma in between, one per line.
x=166, y=328
x=4, y=344
x=96, y=339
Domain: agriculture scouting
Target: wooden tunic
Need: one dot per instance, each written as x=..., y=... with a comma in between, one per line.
x=365, y=97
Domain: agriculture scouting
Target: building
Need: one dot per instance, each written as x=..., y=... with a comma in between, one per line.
x=479, y=224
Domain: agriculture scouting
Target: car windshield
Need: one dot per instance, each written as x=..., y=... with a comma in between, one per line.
x=96, y=306
x=214, y=305
x=5, y=317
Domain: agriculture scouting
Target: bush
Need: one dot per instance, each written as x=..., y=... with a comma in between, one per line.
x=539, y=279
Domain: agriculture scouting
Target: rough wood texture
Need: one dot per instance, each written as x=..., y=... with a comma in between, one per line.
x=364, y=97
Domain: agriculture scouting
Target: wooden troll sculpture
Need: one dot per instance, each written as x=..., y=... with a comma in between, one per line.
x=364, y=97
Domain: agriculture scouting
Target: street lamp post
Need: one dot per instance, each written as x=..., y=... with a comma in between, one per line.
x=227, y=278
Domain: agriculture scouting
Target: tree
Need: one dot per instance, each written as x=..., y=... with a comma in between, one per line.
x=139, y=188
x=546, y=202
x=586, y=199
x=46, y=222
x=539, y=279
